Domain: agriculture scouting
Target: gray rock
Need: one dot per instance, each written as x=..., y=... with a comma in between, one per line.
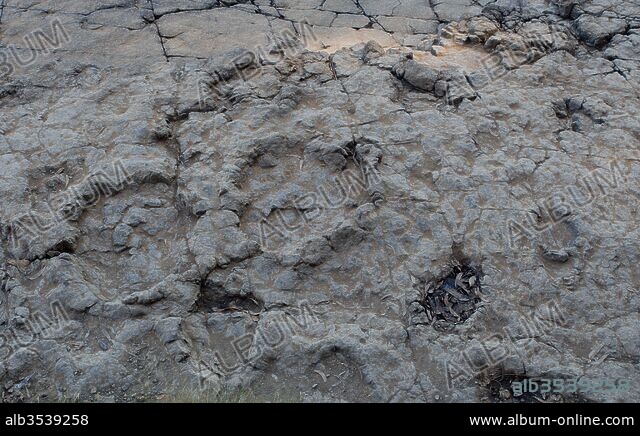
x=417, y=74
x=168, y=329
x=597, y=31
x=213, y=194
x=121, y=235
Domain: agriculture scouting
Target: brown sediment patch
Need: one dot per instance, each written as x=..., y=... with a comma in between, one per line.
x=465, y=56
x=330, y=40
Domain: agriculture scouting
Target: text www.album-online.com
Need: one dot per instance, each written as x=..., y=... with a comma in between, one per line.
x=545, y=420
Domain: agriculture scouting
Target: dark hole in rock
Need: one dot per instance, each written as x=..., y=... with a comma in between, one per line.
x=215, y=299
x=64, y=246
x=451, y=299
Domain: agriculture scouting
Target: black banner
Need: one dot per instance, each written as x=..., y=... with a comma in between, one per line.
x=70, y=418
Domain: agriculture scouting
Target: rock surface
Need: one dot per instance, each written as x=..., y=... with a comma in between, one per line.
x=258, y=196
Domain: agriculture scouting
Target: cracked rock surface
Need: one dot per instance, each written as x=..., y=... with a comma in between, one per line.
x=299, y=176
